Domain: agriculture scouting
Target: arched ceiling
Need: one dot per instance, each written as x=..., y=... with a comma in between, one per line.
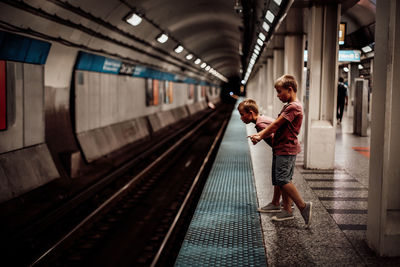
x=222, y=33
x=211, y=30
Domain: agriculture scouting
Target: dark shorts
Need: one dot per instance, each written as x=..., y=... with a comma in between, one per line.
x=282, y=169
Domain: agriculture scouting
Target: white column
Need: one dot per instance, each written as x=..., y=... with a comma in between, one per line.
x=264, y=92
x=383, y=229
x=353, y=74
x=277, y=72
x=294, y=59
x=294, y=64
x=270, y=87
x=320, y=119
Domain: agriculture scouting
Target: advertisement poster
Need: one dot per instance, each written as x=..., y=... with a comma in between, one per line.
x=155, y=92
x=191, y=91
x=162, y=87
x=170, y=93
x=149, y=92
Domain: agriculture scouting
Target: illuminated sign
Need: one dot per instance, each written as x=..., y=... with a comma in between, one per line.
x=344, y=55
x=349, y=55
x=342, y=33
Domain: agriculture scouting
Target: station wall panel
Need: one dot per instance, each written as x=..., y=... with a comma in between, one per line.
x=102, y=141
x=25, y=169
x=12, y=138
x=33, y=104
x=25, y=107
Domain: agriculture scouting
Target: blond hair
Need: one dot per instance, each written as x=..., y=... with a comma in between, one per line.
x=286, y=81
x=248, y=105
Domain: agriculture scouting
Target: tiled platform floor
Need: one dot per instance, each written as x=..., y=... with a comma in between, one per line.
x=337, y=236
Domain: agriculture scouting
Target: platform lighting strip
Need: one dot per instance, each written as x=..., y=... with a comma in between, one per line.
x=269, y=19
x=135, y=19
x=366, y=49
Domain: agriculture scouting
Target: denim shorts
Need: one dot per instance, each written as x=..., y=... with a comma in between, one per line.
x=282, y=169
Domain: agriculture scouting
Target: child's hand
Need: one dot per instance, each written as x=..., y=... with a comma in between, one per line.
x=255, y=138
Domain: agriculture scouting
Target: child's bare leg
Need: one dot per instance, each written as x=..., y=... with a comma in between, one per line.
x=290, y=190
x=276, y=196
x=287, y=202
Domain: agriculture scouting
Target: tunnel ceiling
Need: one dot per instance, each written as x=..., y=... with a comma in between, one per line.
x=222, y=33
x=211, y=30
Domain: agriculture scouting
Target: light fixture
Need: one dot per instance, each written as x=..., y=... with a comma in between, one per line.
x=189, y=56
x=197, y=61
x=203, y=65
x=208, y=68
x=346, y=69
x=269, y=16
x=265, y=26
x=179, y=49
x=261, y=36
x=278, y=2
x=134, y=19
x=162, y=38
x=259, y=42
x=257, y=47
x=366, y=49
x=360, y=67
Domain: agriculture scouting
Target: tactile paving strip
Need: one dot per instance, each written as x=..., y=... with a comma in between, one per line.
x=225, y=229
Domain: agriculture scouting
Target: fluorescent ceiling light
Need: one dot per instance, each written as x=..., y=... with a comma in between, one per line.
x=197, y=61
x=269, y=16
x=134, y=19
x=278, y=2
x=208, y=68
x=265, y=26
x=203, y=65
x=261, y=36
x=179, y=49
x=360, y=67
x=162, y=38
x=366, y=49
x=259, y=42
x=256, y=51
x=346, y=69
x=189, y=56
x=257, y=47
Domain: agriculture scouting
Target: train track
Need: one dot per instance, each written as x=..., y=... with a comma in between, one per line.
x=133, y=224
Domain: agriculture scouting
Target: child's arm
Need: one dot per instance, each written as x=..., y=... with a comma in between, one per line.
x=272, y=128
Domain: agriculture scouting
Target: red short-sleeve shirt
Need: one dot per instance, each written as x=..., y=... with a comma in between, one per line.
x=285, y=138
x=262, y=123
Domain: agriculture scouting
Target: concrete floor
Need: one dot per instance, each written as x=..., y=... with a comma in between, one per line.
x=338, y=233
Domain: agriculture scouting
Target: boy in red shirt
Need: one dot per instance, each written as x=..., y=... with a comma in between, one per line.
x=248, y=110
x=285, y=148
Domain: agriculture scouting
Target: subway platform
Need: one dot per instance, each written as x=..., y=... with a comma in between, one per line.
x=227, y=230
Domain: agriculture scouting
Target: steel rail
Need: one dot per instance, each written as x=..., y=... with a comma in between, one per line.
x=188, y=195
x=119, y=192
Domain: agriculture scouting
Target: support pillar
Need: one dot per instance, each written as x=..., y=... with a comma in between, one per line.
x=270, y=88
x=293, y=65
x=383, y=229
x=294, y=59
x=354, y=73
x=277, y=72
x=322, y=69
